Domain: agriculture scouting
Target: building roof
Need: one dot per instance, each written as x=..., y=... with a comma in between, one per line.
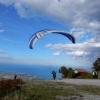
x=82, y=71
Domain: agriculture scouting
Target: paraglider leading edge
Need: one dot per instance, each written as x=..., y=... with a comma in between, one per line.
x=41, y=33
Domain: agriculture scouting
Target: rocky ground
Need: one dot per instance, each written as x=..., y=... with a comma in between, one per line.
x=85, y=96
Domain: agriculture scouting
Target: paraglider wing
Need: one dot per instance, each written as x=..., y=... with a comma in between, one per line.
x=41, y=33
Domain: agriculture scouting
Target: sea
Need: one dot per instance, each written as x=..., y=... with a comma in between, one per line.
x=41, y=71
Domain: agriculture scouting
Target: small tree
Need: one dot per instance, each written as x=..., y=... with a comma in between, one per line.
x=96, y=65
x=64, y=71
x=70, y=72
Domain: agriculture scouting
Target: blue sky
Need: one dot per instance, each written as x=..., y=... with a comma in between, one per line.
x=19, y=19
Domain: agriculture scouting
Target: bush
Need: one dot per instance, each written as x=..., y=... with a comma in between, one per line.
x=9, y=85
x=89, y=76
x=82, y=76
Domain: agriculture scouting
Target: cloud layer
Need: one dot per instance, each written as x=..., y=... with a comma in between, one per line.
x=82, y=16
x=84, y=50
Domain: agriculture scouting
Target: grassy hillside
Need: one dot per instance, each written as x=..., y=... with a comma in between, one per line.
x=48, y=90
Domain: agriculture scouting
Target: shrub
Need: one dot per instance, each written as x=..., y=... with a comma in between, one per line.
x=9, y=85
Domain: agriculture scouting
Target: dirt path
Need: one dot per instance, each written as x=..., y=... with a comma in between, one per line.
x=81, y=81
x=85, y=96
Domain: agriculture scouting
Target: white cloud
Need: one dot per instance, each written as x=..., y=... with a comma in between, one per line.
x=78, y=53
x=56, y=53
x=29, y=61
x=21, y=11
x=86, y=49
x=65, y=9
x=2, y=30
x=1, y=51
x=78, y=32
x=48, y=45
x=73, y=13
x=51, y=57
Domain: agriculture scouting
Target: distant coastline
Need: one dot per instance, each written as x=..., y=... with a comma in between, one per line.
x=10, y=75
x=33, y=70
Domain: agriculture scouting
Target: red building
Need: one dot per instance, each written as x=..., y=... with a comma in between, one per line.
x=79, y=72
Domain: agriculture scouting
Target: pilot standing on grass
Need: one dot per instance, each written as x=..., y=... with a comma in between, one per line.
x=93, y=74
x=54, y=74
x=15, y=77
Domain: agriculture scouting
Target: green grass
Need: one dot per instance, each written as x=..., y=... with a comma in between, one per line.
x=48, y=90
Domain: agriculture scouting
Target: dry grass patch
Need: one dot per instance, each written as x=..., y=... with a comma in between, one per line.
x=48, y=90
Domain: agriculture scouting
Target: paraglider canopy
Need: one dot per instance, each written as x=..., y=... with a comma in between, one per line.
x=41, y=33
